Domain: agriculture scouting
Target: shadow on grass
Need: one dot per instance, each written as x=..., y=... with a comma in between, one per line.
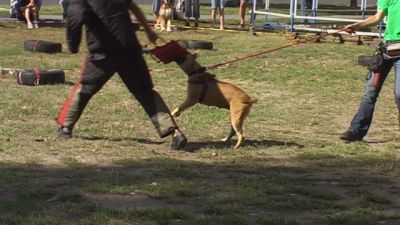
x=139, y=140
x=195, y=146
x=166, y=190
x=192, y=146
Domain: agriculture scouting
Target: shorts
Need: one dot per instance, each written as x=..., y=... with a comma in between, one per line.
x=217, y=4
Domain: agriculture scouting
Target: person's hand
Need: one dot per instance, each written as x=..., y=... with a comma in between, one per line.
x=31, y=4
x=351, y=28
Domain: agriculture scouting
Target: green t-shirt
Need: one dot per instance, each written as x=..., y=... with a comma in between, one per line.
x=392, y=11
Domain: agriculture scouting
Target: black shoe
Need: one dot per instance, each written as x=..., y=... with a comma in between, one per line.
x=178, y=141
x=350, y=136
x=187, y=24
x=64, y=133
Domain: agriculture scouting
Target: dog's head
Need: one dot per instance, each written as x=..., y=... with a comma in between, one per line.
x=201, y=78
x=189, y=65
x=166, y=2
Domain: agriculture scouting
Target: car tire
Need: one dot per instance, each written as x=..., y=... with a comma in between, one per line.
x=42, y=46
x=195, y=44
x=40, y=77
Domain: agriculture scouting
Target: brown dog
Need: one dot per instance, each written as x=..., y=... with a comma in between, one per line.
x=203, y=88
x=165, y=16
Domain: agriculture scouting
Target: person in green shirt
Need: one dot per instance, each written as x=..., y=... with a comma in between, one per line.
x=362, y=120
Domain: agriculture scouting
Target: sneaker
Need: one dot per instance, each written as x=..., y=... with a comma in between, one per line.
x=64, y=133
x=179, y=141
x=35, y=25
x=350, y=136
x=30, y=26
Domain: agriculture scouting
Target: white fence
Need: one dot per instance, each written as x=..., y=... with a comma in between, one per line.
x=309, y=13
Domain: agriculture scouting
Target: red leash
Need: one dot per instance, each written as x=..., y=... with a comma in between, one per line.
x=272, y=50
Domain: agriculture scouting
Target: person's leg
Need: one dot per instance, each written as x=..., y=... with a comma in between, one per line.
x=213, y=12
x=222, y=14
x=196, y=12
x=242, y=12
x=64, y=5
x=213, y=17
x=135, y=74
x=156, y=8
x=35, y=16
x=27, y=14
x=222, y=19
x=39, y=4
x=362, y=120
x=188, y=11
x=396, y=66
x=95, y=73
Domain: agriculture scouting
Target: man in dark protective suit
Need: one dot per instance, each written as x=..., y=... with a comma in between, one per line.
x=113, y=48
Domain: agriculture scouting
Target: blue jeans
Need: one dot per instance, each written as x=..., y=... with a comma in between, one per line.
x=192, y=9
x=362, y=120
x=155, y=7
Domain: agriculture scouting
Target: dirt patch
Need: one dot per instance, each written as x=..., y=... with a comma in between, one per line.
x=134, y=201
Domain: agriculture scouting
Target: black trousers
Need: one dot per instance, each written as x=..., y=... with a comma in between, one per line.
x=132, y=68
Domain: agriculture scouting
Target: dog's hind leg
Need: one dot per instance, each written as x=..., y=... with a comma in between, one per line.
x=169, y=25
x=157, y=25
x=230, y=135
x=238, y=114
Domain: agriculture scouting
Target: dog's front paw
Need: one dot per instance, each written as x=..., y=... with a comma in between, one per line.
x=175, y=113
x=225, y=139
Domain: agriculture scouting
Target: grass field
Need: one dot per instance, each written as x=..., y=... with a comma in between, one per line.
x=292, y=169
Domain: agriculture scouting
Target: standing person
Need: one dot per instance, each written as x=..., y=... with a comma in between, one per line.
x=155, y=8
x=64, y=5
x=362, y=120
x=113, y=48
x=192, y=9
x=242, y=12
x=15, y=10
x=218, y=4
x=306, y=7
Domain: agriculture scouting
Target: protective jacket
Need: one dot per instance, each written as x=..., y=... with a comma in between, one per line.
x=109, y=28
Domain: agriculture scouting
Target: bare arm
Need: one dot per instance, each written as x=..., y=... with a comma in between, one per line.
x=151, y=35
x=367, y=22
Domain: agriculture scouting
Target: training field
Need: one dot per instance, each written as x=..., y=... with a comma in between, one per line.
x=291, y=170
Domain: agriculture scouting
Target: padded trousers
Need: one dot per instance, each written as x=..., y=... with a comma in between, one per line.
x=132, y=68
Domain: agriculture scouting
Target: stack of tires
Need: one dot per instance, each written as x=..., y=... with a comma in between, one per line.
x=40, y=77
